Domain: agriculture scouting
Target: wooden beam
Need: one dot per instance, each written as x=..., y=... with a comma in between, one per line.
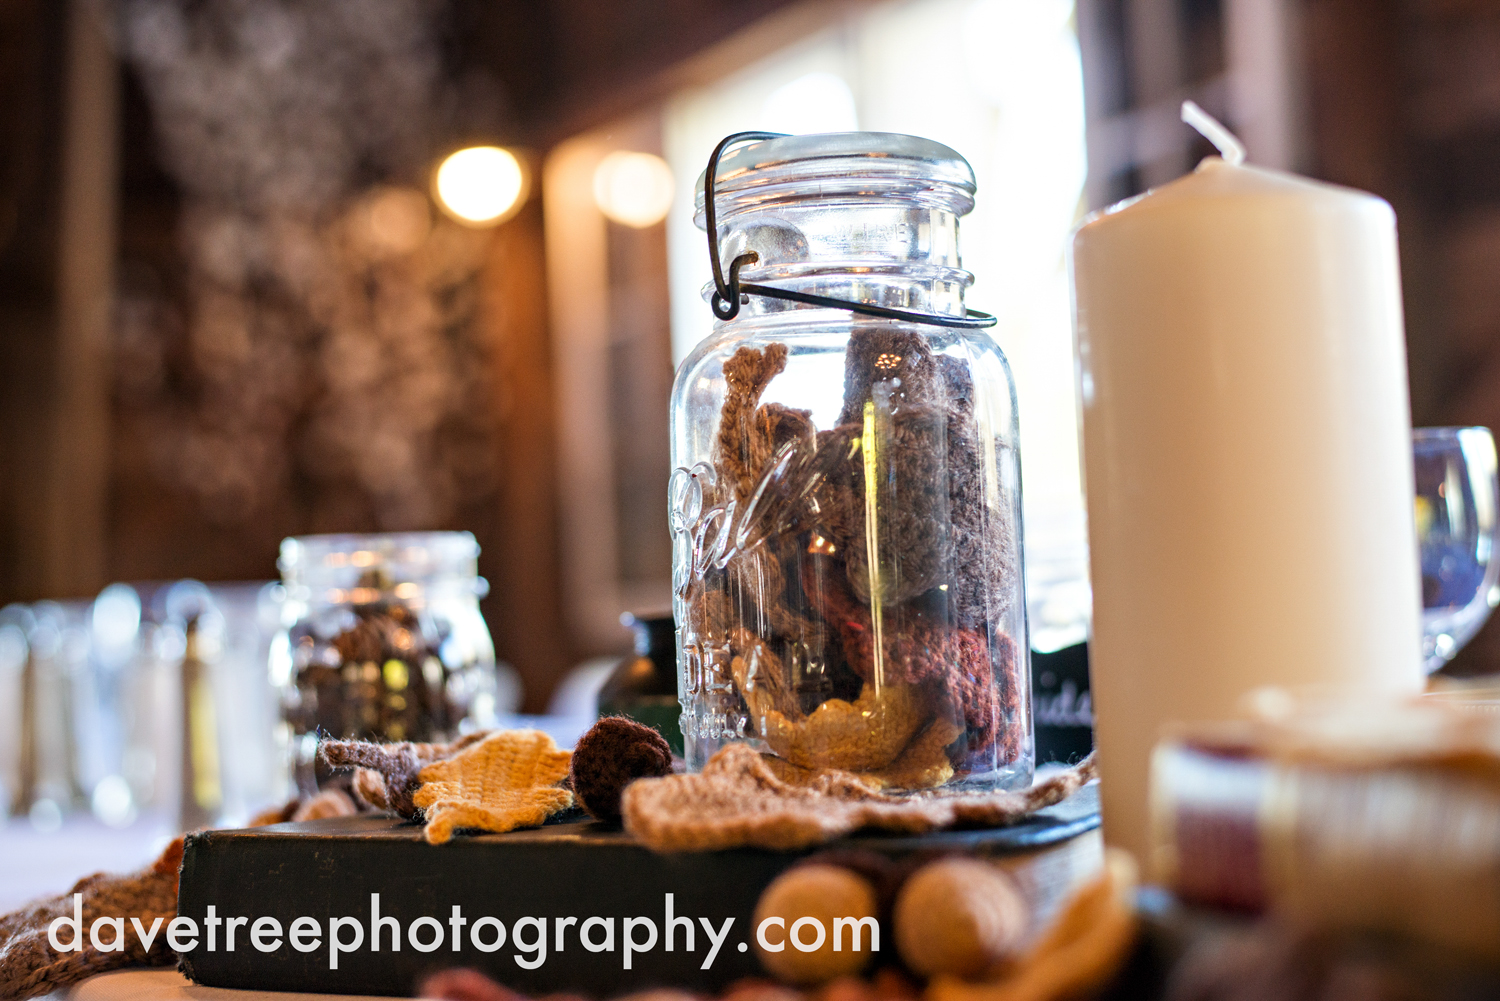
x=521, y=545
x=70, y=546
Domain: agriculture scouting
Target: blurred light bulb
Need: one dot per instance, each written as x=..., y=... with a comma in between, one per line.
x=634, y=189
x=481, y=185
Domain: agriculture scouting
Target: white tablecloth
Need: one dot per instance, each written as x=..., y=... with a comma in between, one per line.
x=46, y=863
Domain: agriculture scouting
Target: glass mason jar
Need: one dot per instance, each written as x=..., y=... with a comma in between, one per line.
x=381, y=639
x=846, y=495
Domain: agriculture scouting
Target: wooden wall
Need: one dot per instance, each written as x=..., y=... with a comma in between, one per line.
x=1405, y=102
x=1403, y=98
x=82, y=502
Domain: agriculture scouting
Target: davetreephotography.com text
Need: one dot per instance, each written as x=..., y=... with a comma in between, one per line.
x=530, y=939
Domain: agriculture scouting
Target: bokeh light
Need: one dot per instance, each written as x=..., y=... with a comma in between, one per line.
x=395, y=220
x=481, y=185
x=634, y=189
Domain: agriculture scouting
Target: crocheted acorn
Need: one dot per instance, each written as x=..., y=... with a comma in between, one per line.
x=614, y=753
x=824, y=894
x=958, y=916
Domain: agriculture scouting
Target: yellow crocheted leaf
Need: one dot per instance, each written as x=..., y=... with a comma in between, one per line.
x=861, y=736
x=923, y=765
x=504, y=782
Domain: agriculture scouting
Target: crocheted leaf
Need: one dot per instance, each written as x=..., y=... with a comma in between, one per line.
x=860, y=736
x=739, y=801
x=506, y=781
x=387, y=775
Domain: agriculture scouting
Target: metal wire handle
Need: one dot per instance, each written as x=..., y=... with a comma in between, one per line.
x=731, y=293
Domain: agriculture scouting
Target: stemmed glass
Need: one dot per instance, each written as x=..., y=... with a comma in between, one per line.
x=1456, y=503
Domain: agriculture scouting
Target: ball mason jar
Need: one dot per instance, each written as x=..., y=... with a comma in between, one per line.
x=381, y=639
x=845, y=499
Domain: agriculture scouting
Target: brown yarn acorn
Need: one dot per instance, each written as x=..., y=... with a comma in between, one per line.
x=614, y=753
x=812, y=901
x=959, y=917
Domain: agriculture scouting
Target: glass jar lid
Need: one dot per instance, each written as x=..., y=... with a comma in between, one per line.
x=859, y=164
x=861, y=220
x=357, y=568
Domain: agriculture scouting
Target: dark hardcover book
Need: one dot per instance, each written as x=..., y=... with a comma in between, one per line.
x=571, y=907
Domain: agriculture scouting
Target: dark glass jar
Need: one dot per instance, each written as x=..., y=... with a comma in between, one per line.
x=644, y=685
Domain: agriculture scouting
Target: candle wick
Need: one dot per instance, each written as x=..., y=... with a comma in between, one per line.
x=1230, y=148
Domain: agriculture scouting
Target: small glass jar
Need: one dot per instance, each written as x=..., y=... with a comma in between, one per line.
x=846, y=497
x=381, y=639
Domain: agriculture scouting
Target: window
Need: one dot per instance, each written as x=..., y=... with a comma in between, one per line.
x=1000, y=82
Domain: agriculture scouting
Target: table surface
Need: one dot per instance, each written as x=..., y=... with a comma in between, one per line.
x=37, y=863
x=169, y=985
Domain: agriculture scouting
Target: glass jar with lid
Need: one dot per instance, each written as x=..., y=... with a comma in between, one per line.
x=381, y=639
x=846, y=496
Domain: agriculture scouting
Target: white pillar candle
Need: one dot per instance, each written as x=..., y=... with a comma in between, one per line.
x=1247, y=453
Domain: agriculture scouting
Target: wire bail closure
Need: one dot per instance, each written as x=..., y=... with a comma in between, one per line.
x=731, y=293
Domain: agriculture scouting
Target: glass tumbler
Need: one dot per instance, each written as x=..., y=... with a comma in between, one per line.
x=1455, y=508
x=845, y=499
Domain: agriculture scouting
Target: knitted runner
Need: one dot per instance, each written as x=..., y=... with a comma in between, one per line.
x=30, y=967
x=508, y=780
x=737, y=801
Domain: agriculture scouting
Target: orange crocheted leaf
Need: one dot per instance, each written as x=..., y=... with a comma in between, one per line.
x=504, y=782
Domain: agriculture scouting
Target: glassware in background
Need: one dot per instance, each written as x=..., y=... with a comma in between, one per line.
x=198, y=712
x=383, y=639
x=1457, y=497
x=16, y=623
x=47, y=766
x=93, y=707
x=105, y=705
x=198, y=626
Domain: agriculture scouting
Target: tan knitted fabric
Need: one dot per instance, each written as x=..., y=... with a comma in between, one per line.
x=28, y=965
x=738, y=801
x=506, y=781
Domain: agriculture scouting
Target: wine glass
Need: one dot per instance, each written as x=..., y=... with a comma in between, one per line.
x=1457, y=498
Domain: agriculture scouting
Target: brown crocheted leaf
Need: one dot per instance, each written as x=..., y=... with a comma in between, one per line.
x=937, y=524
x=917, y=648
x=901, y=359
x=506, y=781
